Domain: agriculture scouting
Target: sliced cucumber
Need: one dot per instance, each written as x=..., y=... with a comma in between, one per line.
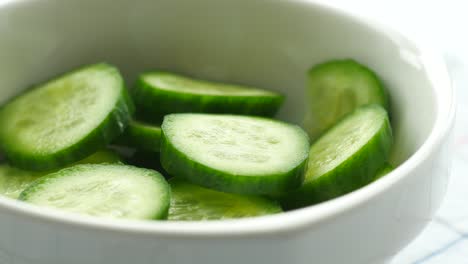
x=159, y=93
x=345, y=158
x=336, y=88
x=65, y=119
x=13, y=180
x=103, y=190
x=386, y=169
x=194, y=203
x=239, y=154
x=141, y=136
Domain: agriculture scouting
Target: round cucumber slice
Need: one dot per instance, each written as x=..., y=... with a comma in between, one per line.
x=13, y=180
x=141, y=136
x=159, y=93
x=103, y=190
x=239, y=154
x=65, y=119
x=194, y=203
x=345, y=158
x=336, y=88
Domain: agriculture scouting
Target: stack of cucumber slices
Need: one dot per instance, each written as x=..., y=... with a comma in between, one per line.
x=200, y=150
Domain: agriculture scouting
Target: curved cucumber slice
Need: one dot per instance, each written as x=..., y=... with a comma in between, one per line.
x=336, y=88
x=66, y=119
x=194, y=203
x=159, y=93
x=103, y=190
x=13, y=180
x=141, y=136
x=239, y=154
x=345, y=158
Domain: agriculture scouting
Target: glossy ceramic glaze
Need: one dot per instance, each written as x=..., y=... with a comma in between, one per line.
x=269, y=44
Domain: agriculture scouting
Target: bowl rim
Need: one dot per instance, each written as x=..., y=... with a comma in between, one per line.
x=297, y=220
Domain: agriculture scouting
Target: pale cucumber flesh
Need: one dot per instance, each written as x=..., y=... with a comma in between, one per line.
x=336, y=88
x=13, y=180
x=345, y=158
x=56, y=115
x=239, y=154
x=66, y=119
x=237, y=144
x=103, y=190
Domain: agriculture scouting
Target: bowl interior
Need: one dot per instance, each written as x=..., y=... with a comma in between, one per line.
x=270, y=44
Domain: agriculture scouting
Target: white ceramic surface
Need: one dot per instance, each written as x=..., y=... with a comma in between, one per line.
x=265, y=43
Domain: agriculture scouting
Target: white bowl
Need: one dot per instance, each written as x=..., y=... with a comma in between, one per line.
x=270, y=44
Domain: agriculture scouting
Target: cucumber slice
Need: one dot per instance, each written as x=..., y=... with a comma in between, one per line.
x=336, y=88
x=13, y=180
x=239, y=154
x=345, y=158
x=65, y=119
x=386, y=169
x=159, y=93
x=103, y=190
x=141, y=136
x=194, y=203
